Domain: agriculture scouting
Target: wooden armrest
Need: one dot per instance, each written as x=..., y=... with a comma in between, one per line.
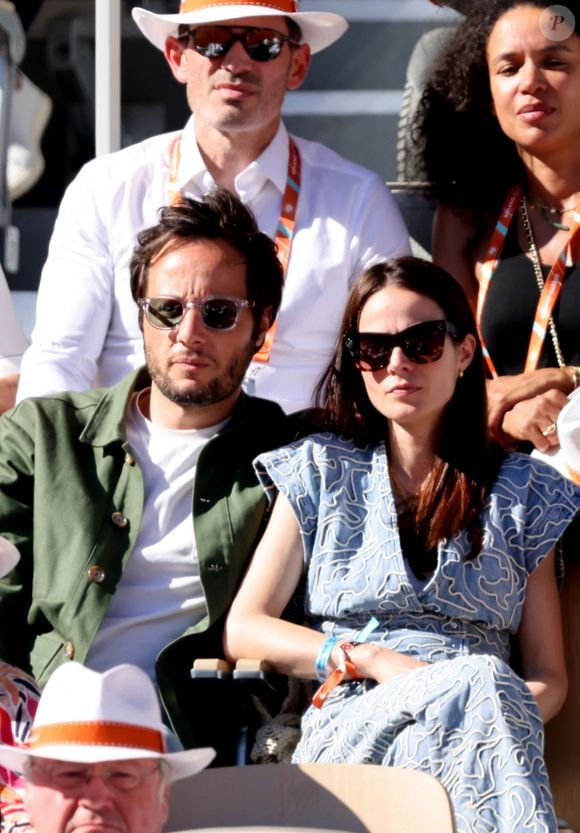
x=258, y=670
x=252, y=666
x=211, y=669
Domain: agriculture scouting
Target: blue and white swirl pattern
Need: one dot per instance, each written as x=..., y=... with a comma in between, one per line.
x=467, y=718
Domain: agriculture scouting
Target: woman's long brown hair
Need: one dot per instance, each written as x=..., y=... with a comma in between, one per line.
x=466, y=463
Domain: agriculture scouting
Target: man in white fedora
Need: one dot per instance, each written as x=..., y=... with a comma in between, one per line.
x=96, y=757
x=330, y=217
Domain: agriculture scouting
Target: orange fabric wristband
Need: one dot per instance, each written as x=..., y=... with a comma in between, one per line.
x=347, y=671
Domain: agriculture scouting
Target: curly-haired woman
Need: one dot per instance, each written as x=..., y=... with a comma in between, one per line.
x=500, y=124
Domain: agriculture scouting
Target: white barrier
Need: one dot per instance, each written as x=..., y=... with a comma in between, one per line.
x=13, y=341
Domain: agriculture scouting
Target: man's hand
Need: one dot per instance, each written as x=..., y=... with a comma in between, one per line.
x=8, y=386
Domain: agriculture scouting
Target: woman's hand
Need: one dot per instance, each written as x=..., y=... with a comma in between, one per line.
x=374, y=662
x=530, y=419
x=505, y=392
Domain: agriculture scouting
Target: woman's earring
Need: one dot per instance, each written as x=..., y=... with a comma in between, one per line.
x=461, y=374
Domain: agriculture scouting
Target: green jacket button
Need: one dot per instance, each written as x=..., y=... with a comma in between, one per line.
x=119, y=520
x=96, y=574
x=69, y=650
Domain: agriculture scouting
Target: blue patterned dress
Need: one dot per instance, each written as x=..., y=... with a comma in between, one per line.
x=467, y=717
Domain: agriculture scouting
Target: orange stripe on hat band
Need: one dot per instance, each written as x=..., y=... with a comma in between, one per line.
x=286, y=6
x=97, y=733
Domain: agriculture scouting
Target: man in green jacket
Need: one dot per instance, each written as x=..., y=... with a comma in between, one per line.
x=135, y=509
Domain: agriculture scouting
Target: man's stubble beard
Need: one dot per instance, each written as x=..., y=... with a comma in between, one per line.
x=215, y=391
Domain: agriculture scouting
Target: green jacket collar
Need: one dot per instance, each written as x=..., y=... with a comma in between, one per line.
x=108, y=423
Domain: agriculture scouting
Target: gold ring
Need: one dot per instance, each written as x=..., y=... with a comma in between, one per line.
x=551, y=429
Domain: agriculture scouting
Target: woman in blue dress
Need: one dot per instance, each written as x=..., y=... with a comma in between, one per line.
x=426, y=553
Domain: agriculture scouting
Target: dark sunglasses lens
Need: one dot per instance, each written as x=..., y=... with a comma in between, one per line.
x=165, y=312
x=263, y=45
x=214, y=42
x=374, y=351
x=219, y=313
x=211, y=41
x=424, y=343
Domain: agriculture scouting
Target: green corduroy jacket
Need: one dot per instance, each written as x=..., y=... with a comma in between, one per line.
x=71, y=498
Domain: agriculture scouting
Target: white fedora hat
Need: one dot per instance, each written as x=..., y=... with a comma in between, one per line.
x=87, y=717
x=9, y=556
x=319, y=29
x=566, y=458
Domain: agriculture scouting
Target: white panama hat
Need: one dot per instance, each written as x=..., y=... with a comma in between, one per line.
x=319, y=29
x=87, y=717
x=9, y=557
x=566, y=458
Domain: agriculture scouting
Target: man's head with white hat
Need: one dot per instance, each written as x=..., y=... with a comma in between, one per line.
x=97, y=757
x=237, y=59
x=317, y=29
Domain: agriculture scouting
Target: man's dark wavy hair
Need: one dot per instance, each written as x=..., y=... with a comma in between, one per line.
x=218, y=216
x=464, y=154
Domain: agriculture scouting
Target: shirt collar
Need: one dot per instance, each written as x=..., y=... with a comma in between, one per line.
x=273, y=161
x=192, y=170
x=271, y=165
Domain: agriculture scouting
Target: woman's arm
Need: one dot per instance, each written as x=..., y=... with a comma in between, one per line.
x=254, y=630
x=253, y=627
x=547, y=387
x=541, y=641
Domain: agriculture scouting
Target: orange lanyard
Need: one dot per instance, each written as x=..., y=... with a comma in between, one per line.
x=552, y=285
x=286, y=223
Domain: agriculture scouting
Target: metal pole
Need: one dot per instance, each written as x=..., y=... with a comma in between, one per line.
x=107, y=76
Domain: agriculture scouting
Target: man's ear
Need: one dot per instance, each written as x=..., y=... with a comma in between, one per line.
x=174, y=55
x=298, y=67
x=263, y=326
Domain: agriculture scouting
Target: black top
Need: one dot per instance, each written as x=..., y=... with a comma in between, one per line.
x=510, y=308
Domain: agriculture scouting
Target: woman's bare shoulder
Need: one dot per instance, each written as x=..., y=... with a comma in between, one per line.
x=455, y=246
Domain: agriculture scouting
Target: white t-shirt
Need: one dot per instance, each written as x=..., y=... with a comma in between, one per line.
x=86, y=331
x=160, y=594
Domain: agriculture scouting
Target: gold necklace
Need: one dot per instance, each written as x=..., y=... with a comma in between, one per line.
x=548, y=213
x=537, y=265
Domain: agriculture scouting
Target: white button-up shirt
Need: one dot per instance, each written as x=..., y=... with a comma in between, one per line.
x=86, y=331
